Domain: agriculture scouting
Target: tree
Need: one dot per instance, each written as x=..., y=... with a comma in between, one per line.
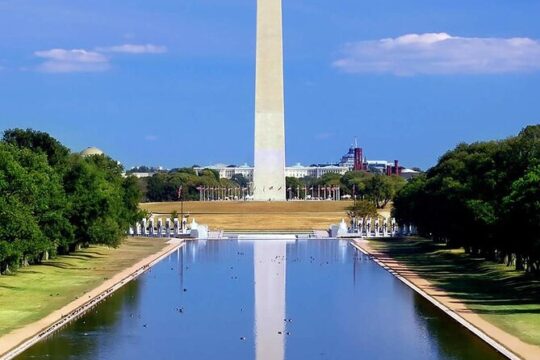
x=410, y=204
x=156, y=188
x=132, y=197
x=362, y=209
x=522, y=210
x=329, y=179
x=52, y=201
x=38, y=141
x=240, y=180
x=295, y=185
x=477, y=196
x=98, y=204
x=354, y=183
x=210, y=173
x=379, y=190
x=32, y=207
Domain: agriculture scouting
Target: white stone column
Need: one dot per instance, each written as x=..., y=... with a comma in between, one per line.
x=144, y=227
x=159, y=227
x=151, y=227
x=168, y=227
x=176, y=227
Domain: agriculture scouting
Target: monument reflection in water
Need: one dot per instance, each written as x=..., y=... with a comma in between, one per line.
x=270, y=267
x=264, y=299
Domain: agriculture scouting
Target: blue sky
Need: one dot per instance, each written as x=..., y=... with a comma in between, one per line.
x=171, y=82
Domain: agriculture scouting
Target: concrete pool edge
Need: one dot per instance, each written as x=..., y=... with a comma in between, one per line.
x=17, y=341
x=477, y=326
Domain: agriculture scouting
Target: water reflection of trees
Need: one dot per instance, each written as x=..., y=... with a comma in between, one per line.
x=210, y=251
x=83, y=338
x=449, y=338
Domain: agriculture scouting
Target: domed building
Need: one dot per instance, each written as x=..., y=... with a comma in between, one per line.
x=92, y=151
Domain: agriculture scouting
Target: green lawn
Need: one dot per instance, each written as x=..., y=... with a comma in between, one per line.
x=506, y=298
x=35, y=291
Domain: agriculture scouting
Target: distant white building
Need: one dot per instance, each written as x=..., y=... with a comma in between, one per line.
x=409, y=173
x=296, y=171
x=142, y=174
x=228, y=171
x=300, y=171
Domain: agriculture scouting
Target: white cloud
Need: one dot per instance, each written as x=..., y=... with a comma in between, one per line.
x=76, y=60
x=134, y=49
x=80, y=60
x=440, y=53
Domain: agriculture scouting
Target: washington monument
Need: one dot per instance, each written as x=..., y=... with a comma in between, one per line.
x=269, y=172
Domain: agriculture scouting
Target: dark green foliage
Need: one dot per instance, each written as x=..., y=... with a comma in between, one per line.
x=97, y=201
x=329, y=179
x=240, y=180
x=377, y=188
x=32, y=207
x=52, y=201
x=38, y=141
x=380, y=189
x=483, y=196
x=522, y=208
x=295, y=187
x=362, y=209
x=164, y=186
x=143, y=169
x=354, y=183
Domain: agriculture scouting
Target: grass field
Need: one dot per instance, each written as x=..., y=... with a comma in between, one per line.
x=504, y=297
x=35, y=291
x=253, y=215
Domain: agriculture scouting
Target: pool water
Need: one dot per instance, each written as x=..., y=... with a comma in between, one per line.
x=264, y=299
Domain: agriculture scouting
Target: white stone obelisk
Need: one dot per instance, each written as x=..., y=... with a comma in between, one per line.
x=269, y=172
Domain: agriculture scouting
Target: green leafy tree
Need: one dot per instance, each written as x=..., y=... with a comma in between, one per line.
x=52, y=201
x=38, y=141
x=240, y=180
x=32, y=211
x=97, y=203
x=362, y=209
x=379, y=190
x=295, y=185
x=354, y=183
x=477, y=196
x=330, y=179
x=522, y=210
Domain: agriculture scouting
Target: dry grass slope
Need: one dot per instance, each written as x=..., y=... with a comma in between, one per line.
x=253, y=215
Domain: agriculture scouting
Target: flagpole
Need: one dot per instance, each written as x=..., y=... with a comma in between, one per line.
x=181, y=198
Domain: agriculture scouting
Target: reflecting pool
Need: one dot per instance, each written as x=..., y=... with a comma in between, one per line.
x=264, y=299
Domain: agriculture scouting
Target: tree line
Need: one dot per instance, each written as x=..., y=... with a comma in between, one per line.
x=163, y=186
x=53, y=201
x=378, y=189
x=484, y=197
